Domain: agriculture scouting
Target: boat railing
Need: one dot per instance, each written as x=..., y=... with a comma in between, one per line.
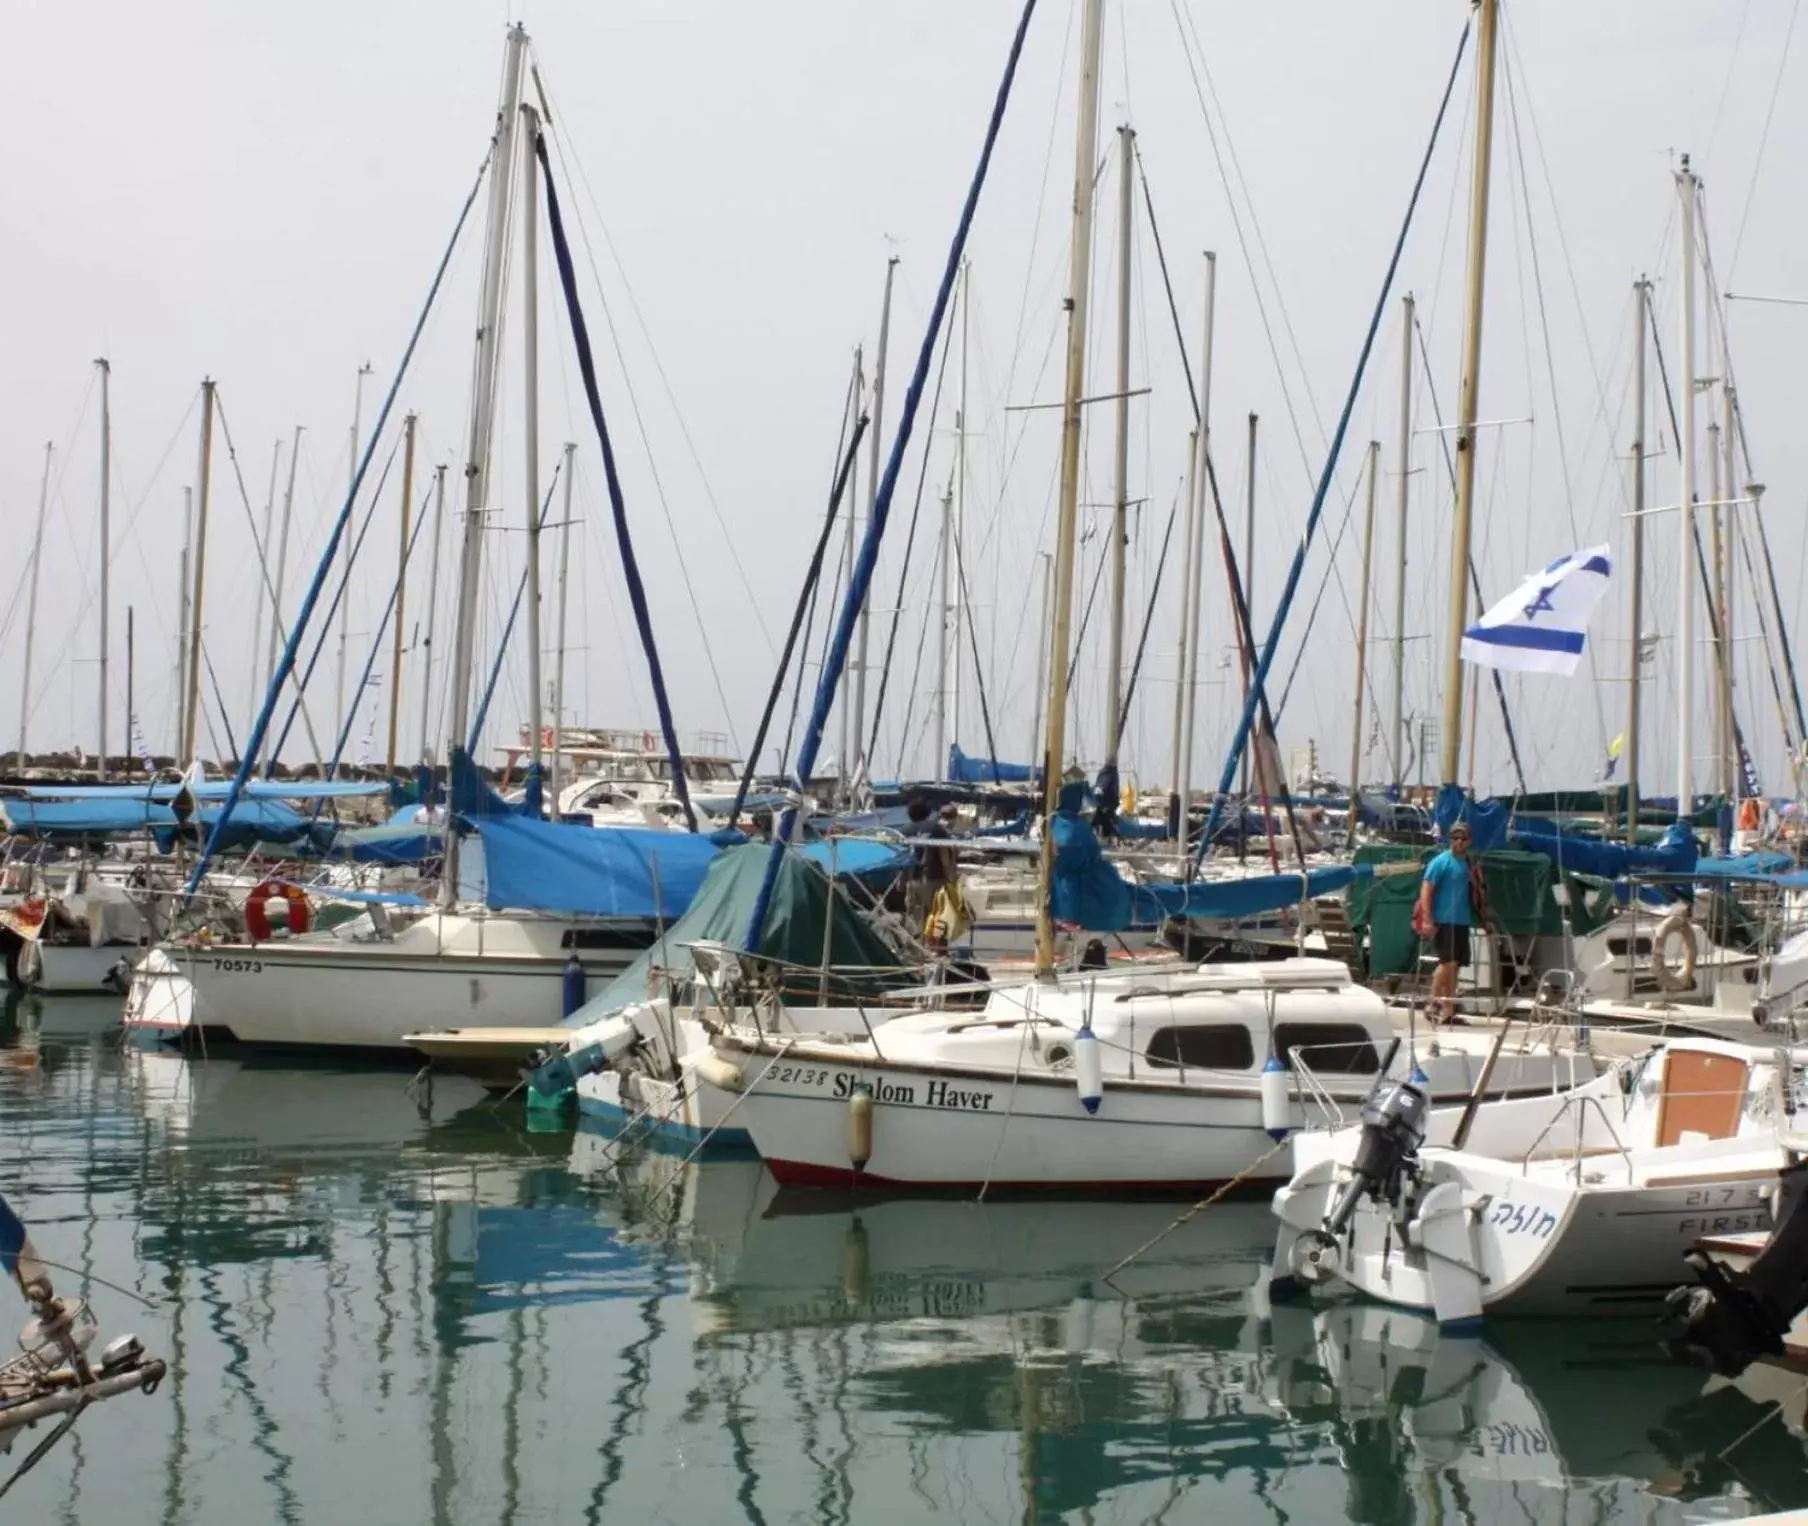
x=1578, y=1106
x=1309, y=1089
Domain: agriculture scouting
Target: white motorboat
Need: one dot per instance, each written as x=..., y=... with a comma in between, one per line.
x=1121, y=1081
x=1578, y=1204
x=356, y=988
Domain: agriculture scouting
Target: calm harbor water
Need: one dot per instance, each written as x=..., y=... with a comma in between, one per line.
x=385, y=1306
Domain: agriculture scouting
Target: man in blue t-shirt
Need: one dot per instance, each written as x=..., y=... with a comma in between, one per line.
x=1445, y=912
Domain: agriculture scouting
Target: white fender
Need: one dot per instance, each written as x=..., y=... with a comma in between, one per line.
x=1089, y=1069
x=719, y=1072
x=1277, y=1100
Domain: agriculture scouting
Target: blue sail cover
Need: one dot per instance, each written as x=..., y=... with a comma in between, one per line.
x=965, y=770
x=590, y=871
x=1574, y=853
x=1089, y=893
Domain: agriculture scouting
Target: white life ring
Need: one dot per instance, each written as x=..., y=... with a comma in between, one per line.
x=1677, y=974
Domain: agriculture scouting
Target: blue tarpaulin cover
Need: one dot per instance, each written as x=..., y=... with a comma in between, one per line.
x=1574, y=853
x=965, y=770
x=210, y=789
x=1089, y=893
x=590, y=871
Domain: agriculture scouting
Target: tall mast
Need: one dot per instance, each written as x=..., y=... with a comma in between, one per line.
x=1120, y=509
x=1078, y=290
x=184, y=596
x=131, y=739
x=1729, y=574
x=31, y=602
x=106, y=546
x=1715, y=594
x=875, y=435
x=483, y=418
x=1402, y=499
x=558, y=658
x=1468, y=395
x=1179, y=788
x=266, y=550
x=483, y=391
x=1641, y=298
x=433, y=571
x=1046, y=563
x=1199, y=485
x=530, y=353
x=1249, y=580
x=345, y=598
x=401, y=598
x=846, y=760
x=957, y=522
x=944, y=557
x=282, y=557
x=198, y=572
x=1362, y=631
x=1685, y=518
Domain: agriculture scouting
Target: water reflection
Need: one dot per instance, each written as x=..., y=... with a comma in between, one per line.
x=389, y=1303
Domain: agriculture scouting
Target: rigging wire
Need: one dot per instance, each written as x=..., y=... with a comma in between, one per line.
x=1770, y=112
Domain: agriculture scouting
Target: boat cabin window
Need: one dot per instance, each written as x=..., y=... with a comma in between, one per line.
x=606, y=938
x=1218, y=1046
x=1337, y=1049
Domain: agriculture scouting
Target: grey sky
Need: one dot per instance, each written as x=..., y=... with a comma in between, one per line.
x=261, y=194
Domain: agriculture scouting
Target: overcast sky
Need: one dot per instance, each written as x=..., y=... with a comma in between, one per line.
x=261, y=196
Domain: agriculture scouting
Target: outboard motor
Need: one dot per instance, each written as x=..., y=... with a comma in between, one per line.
x=1729, y=1318
x=1393, y=1128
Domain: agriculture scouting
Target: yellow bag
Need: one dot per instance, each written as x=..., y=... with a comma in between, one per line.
x=947, y=918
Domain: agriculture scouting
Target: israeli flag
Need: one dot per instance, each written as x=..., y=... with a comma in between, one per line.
x=1540, y=626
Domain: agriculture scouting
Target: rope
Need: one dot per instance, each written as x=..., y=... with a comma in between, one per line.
x=1260, y=677
x=637, y=594
x=1199, y=1207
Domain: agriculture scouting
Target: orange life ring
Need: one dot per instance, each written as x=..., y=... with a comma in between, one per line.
x=257, y=919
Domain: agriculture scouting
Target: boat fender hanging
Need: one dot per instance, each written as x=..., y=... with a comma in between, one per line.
x=860, y=1126
x=25, y=964
x=294, y=901
x=719, y=1072
x=1277, y=1099
x=1677, y=974
x=572, y=992
x=1089, y=1069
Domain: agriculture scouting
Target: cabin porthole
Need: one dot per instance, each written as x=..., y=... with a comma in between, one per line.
x=1059, y=1055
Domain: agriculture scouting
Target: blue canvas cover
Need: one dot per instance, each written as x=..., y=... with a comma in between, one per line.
x=590, y=871
x=1575, y=853
x=965, y=770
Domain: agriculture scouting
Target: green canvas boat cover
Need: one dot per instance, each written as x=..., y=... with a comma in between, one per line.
x=1519, y=894
x=862, y=965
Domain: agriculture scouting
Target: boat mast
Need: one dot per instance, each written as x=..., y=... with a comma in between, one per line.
x=282, y=557
x=1078, y=289
x=1450, y=739
x=1685, y=466
x=1179, y=790
x=845, y=762
x=184, y=591
x=872, y=496
x=1401, y=493
x=1120, y=509
x=1362, y=630
x=31, y=601
x=1047, y=565
x=345, y=597
x=199, y=573
x=131, y=739
x=558, y=658
x=1193, y=601
x=1249, y=592
x=1641, y=301
x=957, y=522
x=1728, y=570
x=483, y=419
x=944, y=554
x=530, y=361
x=401, y=605
x=439, y=524
x=266, y=551
x=106, y=546
x=1714, y=593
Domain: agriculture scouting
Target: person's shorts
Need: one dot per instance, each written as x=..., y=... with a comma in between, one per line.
x=1452, y=940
